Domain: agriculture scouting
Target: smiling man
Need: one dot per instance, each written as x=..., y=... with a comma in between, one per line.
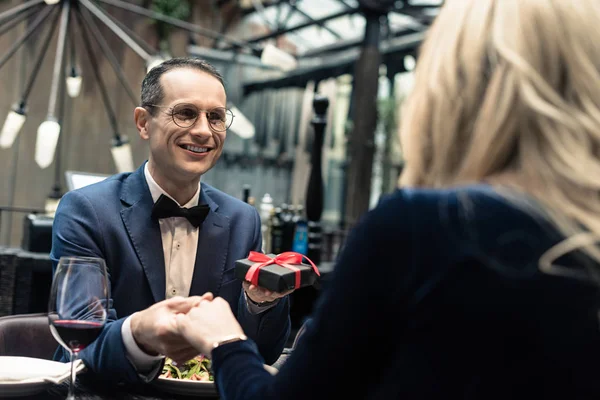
x=165, y=236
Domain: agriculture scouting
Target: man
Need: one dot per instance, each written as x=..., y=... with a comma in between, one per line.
x=155, y=260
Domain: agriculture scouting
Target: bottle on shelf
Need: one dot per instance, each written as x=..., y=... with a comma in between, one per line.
x=246, y=193
x=300, y=240
x=264, y=210
x=288, y=226
x=276, y=231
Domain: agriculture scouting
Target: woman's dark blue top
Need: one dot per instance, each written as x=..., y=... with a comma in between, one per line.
x=438, y=294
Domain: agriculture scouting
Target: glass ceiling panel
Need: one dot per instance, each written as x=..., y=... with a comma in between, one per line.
x=348, y=27
x=313, y=36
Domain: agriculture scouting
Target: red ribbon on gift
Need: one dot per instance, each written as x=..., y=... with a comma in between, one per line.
x=283, y=259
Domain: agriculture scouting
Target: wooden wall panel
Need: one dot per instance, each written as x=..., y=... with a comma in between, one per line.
x=86, y=132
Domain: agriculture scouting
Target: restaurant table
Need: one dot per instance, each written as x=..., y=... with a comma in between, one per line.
x=86, y=391
x=83, y=392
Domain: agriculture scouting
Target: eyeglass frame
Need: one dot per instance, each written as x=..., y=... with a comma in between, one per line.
x=172, y=114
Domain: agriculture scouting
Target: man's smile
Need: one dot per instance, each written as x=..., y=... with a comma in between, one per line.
x=195, y=149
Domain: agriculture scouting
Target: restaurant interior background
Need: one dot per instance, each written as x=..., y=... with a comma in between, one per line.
x=349, y=51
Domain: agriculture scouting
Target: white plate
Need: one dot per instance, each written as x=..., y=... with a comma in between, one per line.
x=184, y=386
x=24, y=376
x=196, y=388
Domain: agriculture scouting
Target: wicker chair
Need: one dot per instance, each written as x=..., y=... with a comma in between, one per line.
x=26, y=335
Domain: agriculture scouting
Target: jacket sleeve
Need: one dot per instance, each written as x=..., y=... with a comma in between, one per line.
x=77, y=231
x=270, y=329
x=348, y=343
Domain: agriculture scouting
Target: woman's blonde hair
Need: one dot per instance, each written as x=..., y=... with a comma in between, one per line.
x=508, y=92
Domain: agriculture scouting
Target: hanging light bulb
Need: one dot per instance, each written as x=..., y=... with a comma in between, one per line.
x=50, y=2
x=12, y=125
x=409, y=62
x=45, y=145
x=74, y=83
x=121, y=152
x=275, y=57
x=241, y=125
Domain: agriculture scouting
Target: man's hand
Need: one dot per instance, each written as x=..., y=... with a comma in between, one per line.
x=155, y=328
x=207, y=323
x=258, y=294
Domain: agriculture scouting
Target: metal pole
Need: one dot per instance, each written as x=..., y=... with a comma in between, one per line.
x=38, y=63
x=115, y=28
x=94, y=62
x=280, y=32
x=34, y=25
x=17, y=20
x=56, y=192
x=108, y=54
x=16, y=10
x=132, y=34
x=58, y=60
x=176, y=22
x=361, y=143
x=319, y=23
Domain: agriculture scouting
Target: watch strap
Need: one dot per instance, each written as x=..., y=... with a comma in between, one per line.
x=229, y=339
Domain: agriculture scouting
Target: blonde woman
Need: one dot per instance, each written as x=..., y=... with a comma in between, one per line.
x=476, y=279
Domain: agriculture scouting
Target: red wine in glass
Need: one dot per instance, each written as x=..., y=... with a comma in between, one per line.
x=78, y=305
x=75, y=334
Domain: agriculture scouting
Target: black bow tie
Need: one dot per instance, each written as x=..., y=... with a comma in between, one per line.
x=165, y=207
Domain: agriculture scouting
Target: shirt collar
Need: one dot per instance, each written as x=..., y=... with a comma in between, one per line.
x=156, y=190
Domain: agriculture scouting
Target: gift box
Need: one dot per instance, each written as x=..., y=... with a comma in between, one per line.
x=277, y=273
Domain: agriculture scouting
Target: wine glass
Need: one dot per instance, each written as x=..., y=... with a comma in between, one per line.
x=78, y=304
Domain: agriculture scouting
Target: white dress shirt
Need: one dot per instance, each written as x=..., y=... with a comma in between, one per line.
x=180, y=242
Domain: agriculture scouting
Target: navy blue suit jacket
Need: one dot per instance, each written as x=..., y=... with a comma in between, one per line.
x=112, y=219
x=438, y=294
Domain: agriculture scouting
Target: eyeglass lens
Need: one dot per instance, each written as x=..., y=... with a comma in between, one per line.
x=185, y=115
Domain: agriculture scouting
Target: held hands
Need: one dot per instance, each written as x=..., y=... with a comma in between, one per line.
x=209, y=322
x=181, y=328
x=155, y=329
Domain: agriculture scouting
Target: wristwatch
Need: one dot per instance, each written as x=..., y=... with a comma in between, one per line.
x=229, y=339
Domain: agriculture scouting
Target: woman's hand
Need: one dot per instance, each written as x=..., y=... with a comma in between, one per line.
x=208, y=323
x=155, y=330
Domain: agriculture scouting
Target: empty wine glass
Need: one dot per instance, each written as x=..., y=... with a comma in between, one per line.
x=78, y=304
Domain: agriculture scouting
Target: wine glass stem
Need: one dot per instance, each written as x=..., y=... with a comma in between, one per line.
x=71, y=395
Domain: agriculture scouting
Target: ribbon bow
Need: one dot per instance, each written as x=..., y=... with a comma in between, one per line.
x=283, y=259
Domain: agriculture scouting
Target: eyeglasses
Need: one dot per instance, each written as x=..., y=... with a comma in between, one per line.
x=185, y=116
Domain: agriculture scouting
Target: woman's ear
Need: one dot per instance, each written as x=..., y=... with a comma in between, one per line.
x=141, y=116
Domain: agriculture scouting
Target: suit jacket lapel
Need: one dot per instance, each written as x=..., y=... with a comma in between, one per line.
x=143, y=231
x=211, y=253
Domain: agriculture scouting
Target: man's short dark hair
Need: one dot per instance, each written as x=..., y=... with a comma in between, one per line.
x=152, y=91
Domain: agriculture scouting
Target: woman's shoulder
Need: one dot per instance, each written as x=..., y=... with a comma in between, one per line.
x=487, y=201
x=475, y=214
x=422, y=196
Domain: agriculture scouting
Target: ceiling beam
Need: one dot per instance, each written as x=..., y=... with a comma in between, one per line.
x=345, y=45
x=321, y=24
x=337, y=64
x=265, y=4
x=283, y=31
